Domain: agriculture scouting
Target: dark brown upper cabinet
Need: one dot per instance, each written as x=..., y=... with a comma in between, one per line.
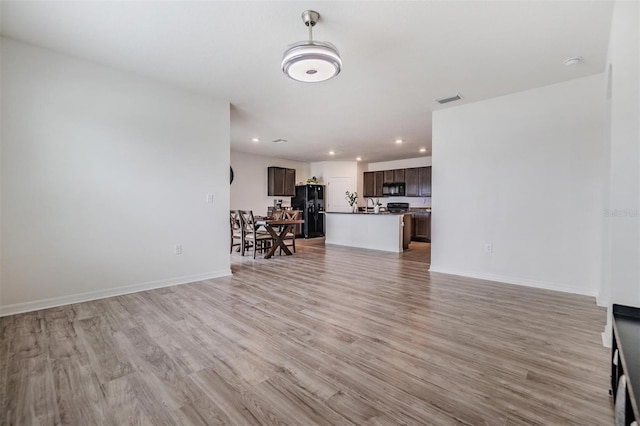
x=369, y=184
x=372, y=185
x=378, y=187
x=412, y=182
x=417, y=181
x=290, y=182
x=425, y=181
x=281, y=182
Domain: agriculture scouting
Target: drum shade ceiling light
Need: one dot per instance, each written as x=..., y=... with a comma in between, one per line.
x=311, y=61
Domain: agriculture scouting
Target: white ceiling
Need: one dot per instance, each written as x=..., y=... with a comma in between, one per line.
x=398, y=56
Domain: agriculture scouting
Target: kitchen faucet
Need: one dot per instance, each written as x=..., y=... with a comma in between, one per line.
x=373, y=203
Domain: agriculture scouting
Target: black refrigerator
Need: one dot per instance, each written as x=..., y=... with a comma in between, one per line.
x=310, y=200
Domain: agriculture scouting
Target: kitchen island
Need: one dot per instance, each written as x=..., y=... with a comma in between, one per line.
x=381, y=231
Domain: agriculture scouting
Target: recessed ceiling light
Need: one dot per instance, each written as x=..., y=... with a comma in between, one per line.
x=255, y=140
x=331, y=152
x=423, y=149
x=358, y=158
x=399, y=141
x=573, y=61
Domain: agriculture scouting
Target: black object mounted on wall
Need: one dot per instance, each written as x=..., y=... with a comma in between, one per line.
x=231, y=175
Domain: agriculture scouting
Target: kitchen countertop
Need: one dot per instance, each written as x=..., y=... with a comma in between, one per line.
x=371, y=213
x=626, y=325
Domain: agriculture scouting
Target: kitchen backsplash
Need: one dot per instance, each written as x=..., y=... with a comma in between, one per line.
x=413, y=201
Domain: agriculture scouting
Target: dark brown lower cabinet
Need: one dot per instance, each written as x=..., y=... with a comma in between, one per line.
x=421, y=227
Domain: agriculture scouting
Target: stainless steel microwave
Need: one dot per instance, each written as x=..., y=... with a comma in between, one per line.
x=395, y=189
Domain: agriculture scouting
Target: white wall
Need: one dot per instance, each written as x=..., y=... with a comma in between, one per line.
x=522, y=172
x=103, y=174
x=400, y=164
x=623, y=207
x=621, y=265
x=403, y=164
x=249, y=188
x=326, y=170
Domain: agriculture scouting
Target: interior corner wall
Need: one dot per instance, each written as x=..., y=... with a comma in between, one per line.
x=103, y=174
x=345, y=171
x=523, y=173
x=621, y=278
x=249, y=188
x=324, y=170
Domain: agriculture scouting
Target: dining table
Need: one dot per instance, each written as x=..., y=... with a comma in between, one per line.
x=278, y=229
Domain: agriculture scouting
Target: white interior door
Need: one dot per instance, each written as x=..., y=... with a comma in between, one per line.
x=336, y=189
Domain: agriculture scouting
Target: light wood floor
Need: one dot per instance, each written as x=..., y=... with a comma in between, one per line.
x=328, y=336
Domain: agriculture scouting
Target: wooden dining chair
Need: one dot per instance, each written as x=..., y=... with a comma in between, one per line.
x=291, y=235
x=277, y=214
x=252, y=236
x=237, y=231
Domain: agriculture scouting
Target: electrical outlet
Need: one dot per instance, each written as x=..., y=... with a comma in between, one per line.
x=178, y=248
x=210, y=198
x=488, y=248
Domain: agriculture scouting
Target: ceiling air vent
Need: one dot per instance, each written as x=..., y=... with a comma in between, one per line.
x=448, y=99
x=279, y=141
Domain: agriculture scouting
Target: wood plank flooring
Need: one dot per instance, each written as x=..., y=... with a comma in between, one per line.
x=329, y=336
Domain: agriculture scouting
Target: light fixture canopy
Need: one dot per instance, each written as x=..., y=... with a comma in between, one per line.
x=311, y=61
x=573, y=61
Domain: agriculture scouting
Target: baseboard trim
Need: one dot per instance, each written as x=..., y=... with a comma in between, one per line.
x=602, y=302
x=516, y=281
x=53, y=302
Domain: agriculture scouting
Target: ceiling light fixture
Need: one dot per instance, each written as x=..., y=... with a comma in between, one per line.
x=358, y=158
x=423, y=149
x=331, y=152
x=311, y=61
x=573, y=61
x=255, y=140
x=399, y=140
